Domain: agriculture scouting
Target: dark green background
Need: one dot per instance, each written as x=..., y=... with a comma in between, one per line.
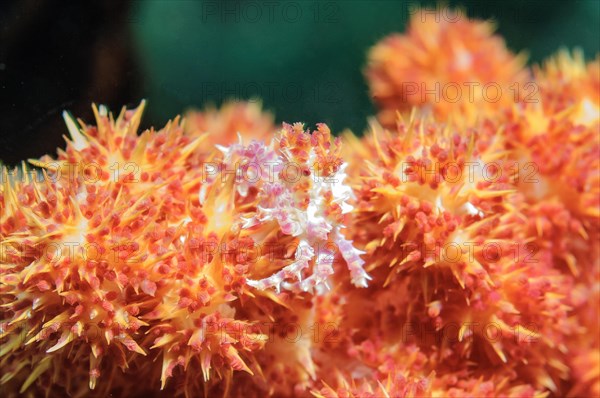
x=309, y=67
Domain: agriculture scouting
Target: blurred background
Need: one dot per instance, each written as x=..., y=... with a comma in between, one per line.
x=303, y=58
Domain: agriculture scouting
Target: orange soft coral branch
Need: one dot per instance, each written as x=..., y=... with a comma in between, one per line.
x=445, y=64
x=159, y=262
